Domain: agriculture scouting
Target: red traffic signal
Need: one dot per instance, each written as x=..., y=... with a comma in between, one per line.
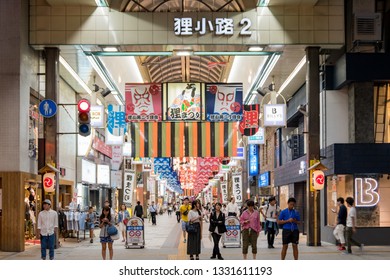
x=84, y=117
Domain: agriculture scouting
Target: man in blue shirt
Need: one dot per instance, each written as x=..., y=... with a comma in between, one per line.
x=288, y=220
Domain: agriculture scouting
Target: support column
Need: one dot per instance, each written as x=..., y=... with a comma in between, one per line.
x=312, y=224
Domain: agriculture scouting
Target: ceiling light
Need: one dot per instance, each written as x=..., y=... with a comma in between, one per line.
x=255, y=49
x=75, y=75
x=110, y=49
x=293, y=74
x=101, y=3
x=184, y=53
x=263, y=3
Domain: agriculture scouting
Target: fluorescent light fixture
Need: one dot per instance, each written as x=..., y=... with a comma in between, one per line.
x=274, y=59
x=110, y=49
x=184, y=52
x=116, y=53
x=255, y=49
x=293, y=74
x=75, y=75
x=118, y=99
x=233, y=53
x=263, y=3
x=101, y=3
x=98, y=70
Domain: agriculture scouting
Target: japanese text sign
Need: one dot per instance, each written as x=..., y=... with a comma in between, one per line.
x=184, y=101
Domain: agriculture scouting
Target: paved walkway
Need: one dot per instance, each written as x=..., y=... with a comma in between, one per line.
x=165, y=242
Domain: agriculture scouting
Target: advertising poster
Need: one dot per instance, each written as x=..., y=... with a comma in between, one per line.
x=223, y=102
x=135, y=231
x=116, y=120
x=232, y=236
x=183, y=101
x=237, y=186
x=143, y=102
x=128, y=188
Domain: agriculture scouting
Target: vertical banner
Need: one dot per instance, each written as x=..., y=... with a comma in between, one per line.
x=129, y=182
x=250, y=121
x=143, y=102
x=223, y=102
x=237, y=186
x=224, y=192
x=253, y=160
x=116, y=179
x=183, y=101
x=117, y=157
x=116, y=121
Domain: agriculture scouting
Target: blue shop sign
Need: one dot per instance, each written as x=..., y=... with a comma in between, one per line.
x=253, y=160
x=264, y=179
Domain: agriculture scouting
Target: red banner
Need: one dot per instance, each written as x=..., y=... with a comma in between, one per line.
x=100, y=146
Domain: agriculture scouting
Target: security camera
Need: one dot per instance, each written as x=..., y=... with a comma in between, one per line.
x=261, y=91
x=96, y=88
x=105, y=92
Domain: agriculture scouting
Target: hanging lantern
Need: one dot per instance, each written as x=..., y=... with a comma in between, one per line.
x=49, y=182
x=318, y=180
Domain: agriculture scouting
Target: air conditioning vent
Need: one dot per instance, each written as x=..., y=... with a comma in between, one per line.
x=368, y=27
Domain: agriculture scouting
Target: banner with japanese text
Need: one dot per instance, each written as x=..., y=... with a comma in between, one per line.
x=117, y=157
x=116, y=120
x=183, y=101
x=143, y=102
x=224, y=102
x=129, y=182
x=237, y=186
x=250, y=121
x=224, y=192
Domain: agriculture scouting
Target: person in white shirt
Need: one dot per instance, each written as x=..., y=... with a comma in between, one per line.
x=351, y=226
x=232, y=208
x=47, y=226
x=270, y=213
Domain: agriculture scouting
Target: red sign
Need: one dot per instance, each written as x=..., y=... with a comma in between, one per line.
x=100, y=146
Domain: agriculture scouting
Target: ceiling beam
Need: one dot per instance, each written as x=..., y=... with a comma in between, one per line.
x=183, y=69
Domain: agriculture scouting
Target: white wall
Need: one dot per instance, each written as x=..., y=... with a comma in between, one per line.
x=336, y=116
x=67, y=123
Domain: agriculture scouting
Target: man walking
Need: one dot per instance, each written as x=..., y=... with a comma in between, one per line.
x=351, y=226
x=153, y=213
x=339, y=230
x=270, y=226
x=138, y=210
x=47, y=226
x=289, y=219
x=184, y=210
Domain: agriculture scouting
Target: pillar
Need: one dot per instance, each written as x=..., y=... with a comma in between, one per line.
x=312, y=223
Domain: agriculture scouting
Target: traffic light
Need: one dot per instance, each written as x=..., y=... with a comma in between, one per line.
x=84, y=117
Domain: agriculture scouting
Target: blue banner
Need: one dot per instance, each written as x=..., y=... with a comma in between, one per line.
x=264, y=179
x=253, y=160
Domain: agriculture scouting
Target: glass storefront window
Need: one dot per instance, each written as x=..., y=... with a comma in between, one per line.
x=375, y=214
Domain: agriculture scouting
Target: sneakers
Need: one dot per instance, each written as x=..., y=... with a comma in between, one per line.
x=213, y=257
x=361, y=247
x=220, y=257
x=271, y=247
x=341, y=248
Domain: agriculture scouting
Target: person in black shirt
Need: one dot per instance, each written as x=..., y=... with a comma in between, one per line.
x=341, y=223
x=138, y=210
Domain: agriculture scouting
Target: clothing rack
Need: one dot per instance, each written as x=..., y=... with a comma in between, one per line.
x=72, y=221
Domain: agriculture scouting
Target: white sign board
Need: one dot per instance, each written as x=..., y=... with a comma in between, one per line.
x=88, y=171
x=112, y=139
x=275, y=115
x=116, y=179
x=258, y=138
x=117, y=157
x=237, y=186
x=128, y=188
x=103, y=174
x=224, y=192
x=97, y=116
x=84, y=144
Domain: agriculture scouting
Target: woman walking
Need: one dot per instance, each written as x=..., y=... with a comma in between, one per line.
x=106, y=220
x=217, y=228
x=123, y=218
x=194, y=230
x=250, y=225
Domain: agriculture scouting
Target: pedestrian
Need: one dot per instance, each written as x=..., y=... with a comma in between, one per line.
x=224, y=209
x=289, y=219
x=217, y=228
x=351, y=226
x=47, y=226
x=107, y=204
x=184, y=211
x=91, y=219
x=271, y=228
x=123, y=218
x=194, y=237
x=139, y=210
x=339, y=230
x=232, y=208
x=177, y=211
x=106, y=220
x=153, y=213
x=170, y=209
x=250, y=227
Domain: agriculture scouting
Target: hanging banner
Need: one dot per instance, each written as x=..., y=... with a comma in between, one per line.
x=180, y=139
x=101, y=147
x=250, y=120
x=183, y=101
x=275, y=115
x=117, y=157
x=49, y=182
x=129, y=182
x=116, y=120
x=116, y=179
x=253, y=160
x=224, y=192
x=237, y=186
x=257, y=138
x=143, y=102
x=223, y=102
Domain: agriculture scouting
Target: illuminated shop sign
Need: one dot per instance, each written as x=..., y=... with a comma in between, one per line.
x=275, y=115
x=366, y=194
x=253, y=160
x=264, y=179
x=220, y=26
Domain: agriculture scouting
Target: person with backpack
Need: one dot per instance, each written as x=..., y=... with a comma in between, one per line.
x=271, y=228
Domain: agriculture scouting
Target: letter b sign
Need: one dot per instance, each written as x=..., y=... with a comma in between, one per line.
x=366, y=194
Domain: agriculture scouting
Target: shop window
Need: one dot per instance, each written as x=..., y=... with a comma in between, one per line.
x=372, y=210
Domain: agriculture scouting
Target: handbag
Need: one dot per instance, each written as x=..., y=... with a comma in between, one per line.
x=112, y=230
x=115, y=236
x=125, y=221
x=191, y=228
